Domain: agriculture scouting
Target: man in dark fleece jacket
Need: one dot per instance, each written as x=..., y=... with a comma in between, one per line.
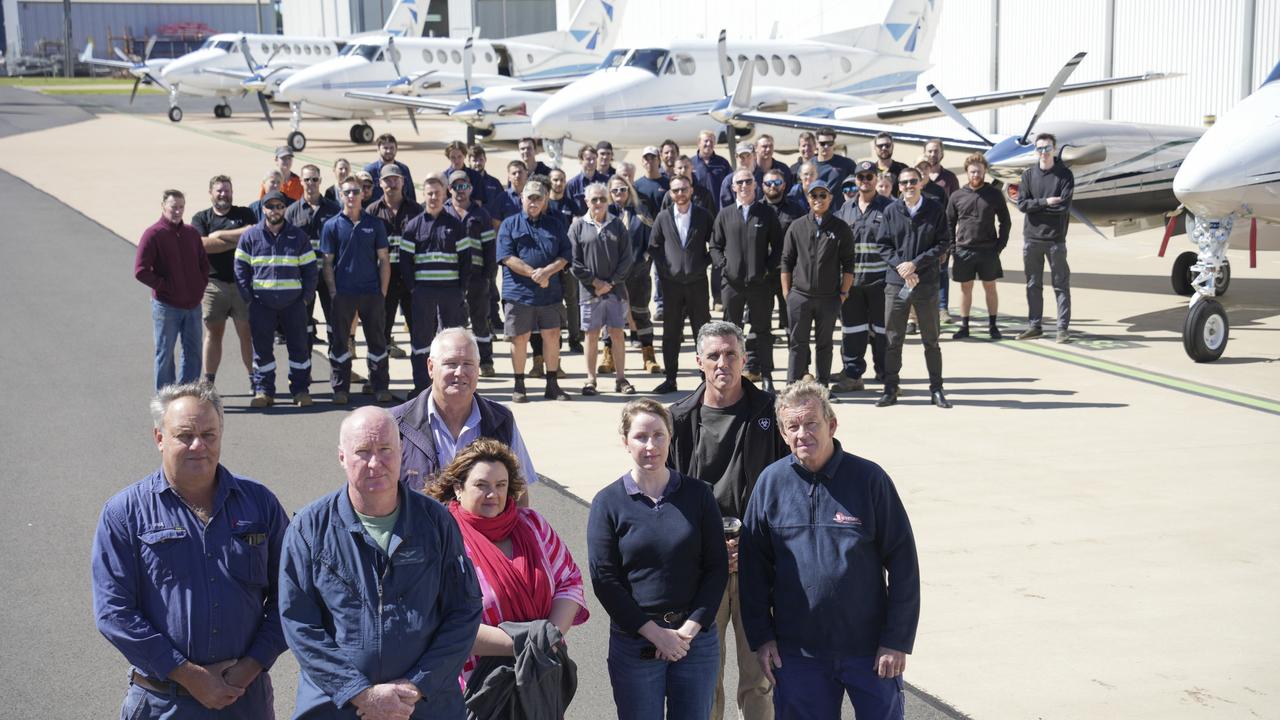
x=822, y=530
x=1044, y=197
x=972, y=214
x=913, y=238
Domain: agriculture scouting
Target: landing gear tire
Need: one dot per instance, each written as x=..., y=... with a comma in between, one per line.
x=361, y=134
x=1182, y=274
x=296, y=141
x=175, y=114
x=222, y=111
x=1205, y=334
x=1223, y=280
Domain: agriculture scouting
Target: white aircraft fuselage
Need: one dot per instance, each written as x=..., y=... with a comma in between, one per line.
x=192, y=74
x=644, y=95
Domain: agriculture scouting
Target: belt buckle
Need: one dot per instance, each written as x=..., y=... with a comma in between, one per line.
x=671, y=617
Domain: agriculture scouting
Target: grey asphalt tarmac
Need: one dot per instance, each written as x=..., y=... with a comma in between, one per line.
x=76, y=366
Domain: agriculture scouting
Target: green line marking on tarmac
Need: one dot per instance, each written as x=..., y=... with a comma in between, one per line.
x=211, y=134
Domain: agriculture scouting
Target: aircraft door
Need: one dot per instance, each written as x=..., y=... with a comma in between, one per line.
x=504, y=60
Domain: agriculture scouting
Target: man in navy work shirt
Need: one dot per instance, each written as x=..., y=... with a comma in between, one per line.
x=533, y=247
x=357, y=268
x=435, y=262
x=184, y=573
x=377, y=597
x=310, y=213
x=823, y=529
x=387, y=148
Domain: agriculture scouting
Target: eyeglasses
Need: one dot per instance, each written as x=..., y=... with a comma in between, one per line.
x=884, y=146
x=741, y=183
x=461, y=186
x=909, y=181
x=866, y=177
x=819, y=196
x=1044, y=149
x=314, y=179
x=772, y=183
x=849, y=188
x=618, y=191
x=597, y=200
x=351, y=191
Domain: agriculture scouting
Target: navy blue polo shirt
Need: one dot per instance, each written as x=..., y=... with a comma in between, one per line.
x=538, y=243
x=355, y=249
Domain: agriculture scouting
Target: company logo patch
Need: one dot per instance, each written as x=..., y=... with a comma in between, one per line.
x=844, y=519
x=764, y=423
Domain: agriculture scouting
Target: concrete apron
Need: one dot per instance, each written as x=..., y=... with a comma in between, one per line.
x=1109, y=555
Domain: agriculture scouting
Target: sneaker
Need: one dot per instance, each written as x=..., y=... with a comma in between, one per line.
x=519, y=396
x=946, y=318
x=1031, y=333
x=261, y=400
x=960, y=334
x=554, y=392
x=486, y=370
x=840, y=383
x=396, y=351
x=666, y=387
x=340, y=398
x=1064, y=336
x=383, y=396
x=302, y=399
x=717, y=307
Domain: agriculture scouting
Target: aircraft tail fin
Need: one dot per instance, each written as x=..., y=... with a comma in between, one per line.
x=908, y=30
x=593, y=29
x=408, y=18
x=1274, y=76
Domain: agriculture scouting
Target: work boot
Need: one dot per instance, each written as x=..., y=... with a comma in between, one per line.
x=537, y=371
x=1031, y=333
x=340, y=398
x=487, y=370
x=261, y=400
x=650, y=362
x=396, y=351
x=302, y=399
x=606, y=367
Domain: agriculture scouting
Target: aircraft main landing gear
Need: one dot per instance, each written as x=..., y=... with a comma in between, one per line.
x=361, y=133
x=1182, y=274
x=222, y=111
x=296, y=141
x=1206, y=330
x=175, y=114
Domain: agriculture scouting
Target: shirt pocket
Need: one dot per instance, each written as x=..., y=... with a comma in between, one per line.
x=247, y=554
x=162, y=555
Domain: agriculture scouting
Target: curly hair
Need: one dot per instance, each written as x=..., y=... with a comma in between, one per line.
x=443, y=486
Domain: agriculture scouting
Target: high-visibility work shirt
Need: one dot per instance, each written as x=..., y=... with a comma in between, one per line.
x=276, y=269
x=479, y=235
x=434, y=251
x=354, y=247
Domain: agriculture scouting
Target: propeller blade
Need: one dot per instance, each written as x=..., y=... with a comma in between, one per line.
x=393, y=53
x=413, y=120
x=158, y=81
x=741, y=99
x=120, y=54
x=466, y=66
x=134, y=93
x=266, y=109
x=943, y=104
x=248, y=56
x=151, y=43
x=87, y=55
x=1051, y=93
x=1079, y=216
x=722, y=49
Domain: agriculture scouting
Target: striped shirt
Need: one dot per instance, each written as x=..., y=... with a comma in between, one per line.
x=479, y=234
x=562, y=571
x=434, y=251
x=869, y=265
x=275, y=269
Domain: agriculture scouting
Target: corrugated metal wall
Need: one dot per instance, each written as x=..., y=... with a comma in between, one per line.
x=508, y=18
x=1266, y=40
x=43, y=21
x=326, y=18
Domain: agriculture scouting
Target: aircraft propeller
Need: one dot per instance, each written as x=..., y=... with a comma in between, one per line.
x=393, y=53
x=140, y=70
x=1051, y=93
x=257, y=80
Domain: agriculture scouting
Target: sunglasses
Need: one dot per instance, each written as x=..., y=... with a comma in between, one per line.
x=1044, y=149
x=461, y=186
x=680, y=190
x=772, y=183
x=883, y=146
x=618, y=191
x=909, y=181
x=351, y=191
x=314, y=179
x=867, y=177
x=598, y=200
x=826, y=143
x=742, y=183
x=849, y=188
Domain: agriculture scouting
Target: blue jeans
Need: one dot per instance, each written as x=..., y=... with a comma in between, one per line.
x=812, y=689
x=642, y=687
x=169, y=324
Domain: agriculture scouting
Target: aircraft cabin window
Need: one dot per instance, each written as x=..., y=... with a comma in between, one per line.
x=368, y=52
x=685, y=64
x=306, y=49
x=845, y=65
x=488, y=57
x=287, y=50
x=327, y=50
x=779, y=67
x=793, y=63
x=442, y=57
x=426, y=56
x=529, y=58
x=650, y=59
x=669, y=68
x=613, y=59
x=455, y=56
x=762, y=65
x=297, y=49
x=742, y=62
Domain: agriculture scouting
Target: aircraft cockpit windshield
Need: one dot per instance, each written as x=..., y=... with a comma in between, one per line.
x=651, y=59
x=613, y=59
x=372, y=53
x=217, y=45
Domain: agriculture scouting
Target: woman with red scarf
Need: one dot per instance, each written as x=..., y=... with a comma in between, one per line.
x=525, y=571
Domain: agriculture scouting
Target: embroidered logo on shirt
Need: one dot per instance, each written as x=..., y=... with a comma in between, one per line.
x=764, y=423
x=844, y=519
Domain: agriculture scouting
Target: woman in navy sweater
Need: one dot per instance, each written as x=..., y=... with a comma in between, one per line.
x=656, y=551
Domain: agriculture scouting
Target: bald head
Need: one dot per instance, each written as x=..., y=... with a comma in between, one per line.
x=369, y=452
x=362, y=422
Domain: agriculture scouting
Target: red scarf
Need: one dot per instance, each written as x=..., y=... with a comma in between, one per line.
x=519, y=583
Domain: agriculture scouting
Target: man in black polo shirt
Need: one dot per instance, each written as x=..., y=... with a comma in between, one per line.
x=220, y=228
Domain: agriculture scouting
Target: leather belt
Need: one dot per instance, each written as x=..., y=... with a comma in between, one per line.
x=164, y=687
x=671, y=617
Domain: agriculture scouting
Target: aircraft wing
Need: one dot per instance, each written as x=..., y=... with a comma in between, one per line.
x=409, y=101
x=118, y=64
x=904, y=112
x=857, y=129
x=244, y=74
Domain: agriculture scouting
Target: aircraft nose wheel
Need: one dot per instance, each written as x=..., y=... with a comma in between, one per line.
x=296, y=141
x=361, y=134
x=1182, y=275
x=175, y=114
x=1205, y=334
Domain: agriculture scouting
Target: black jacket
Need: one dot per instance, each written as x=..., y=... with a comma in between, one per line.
x=537, y=684
x=1039, y=220
x=746, y=251
x=758, y=446
x=972, y=215
x=922, y=239
x=817, y=255
x=677, y=263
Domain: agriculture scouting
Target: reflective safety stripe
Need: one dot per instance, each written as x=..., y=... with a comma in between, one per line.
x=436, y=257
x=422, y=351
x=269, y=367
x=436, y=275
x=293, y=284
x=851, y=329
x=468, y=243
x=405, y=243
x=879, y=329
x=485, y=339
x=394, y=243
x=477, y=260
x=646, y=331
x=243, y=256
x=341, y=359
x=300, y=366
x=376, y=358
x=278, y=260
x=488, y=236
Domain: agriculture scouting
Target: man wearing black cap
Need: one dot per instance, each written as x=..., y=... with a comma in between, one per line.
x=652, y=186
x=395, y=208
x=862, y=313
x=817, y=271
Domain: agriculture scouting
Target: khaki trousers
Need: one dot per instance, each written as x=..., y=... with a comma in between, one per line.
x=755, y=695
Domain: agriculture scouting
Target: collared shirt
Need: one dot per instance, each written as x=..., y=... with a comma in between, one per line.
x=744, y=209
x=167, y=589
x=682, y=222
x=447, y=446
x=375, y=169
x=632, y=487
x=913, y=209
x=355, y=247
x=275, y=268
x=311, y=218
x=538, y=243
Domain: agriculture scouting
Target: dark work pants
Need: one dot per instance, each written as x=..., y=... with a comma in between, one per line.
x=321, y=294
x=683, y=300
x=1034, y=253
x=397, y=296
x=820, y=314
x=783, y=322
x=925, y=300
x=435, y=308
x=371, y=309
x=814, y=689
x=478, y=288
x=262, y=327
x=862, y=320
x=572, y=313
x=756, y=300
x=717, y=283
x=639, y=292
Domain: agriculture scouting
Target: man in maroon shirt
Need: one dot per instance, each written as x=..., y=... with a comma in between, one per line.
x=171, y=260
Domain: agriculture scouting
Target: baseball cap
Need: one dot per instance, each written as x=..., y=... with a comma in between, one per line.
x=533, y=187
x=457, y=175
x=818, y=185
x=745, y=148
x=284, y=151
x=866, y=166
x=650, y=150
x=391, y=170
x=274, y=195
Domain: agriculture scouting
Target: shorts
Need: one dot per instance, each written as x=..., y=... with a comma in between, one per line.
x=985, y=265
x=521, y=319
x=222, y=300
x=608, y=311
